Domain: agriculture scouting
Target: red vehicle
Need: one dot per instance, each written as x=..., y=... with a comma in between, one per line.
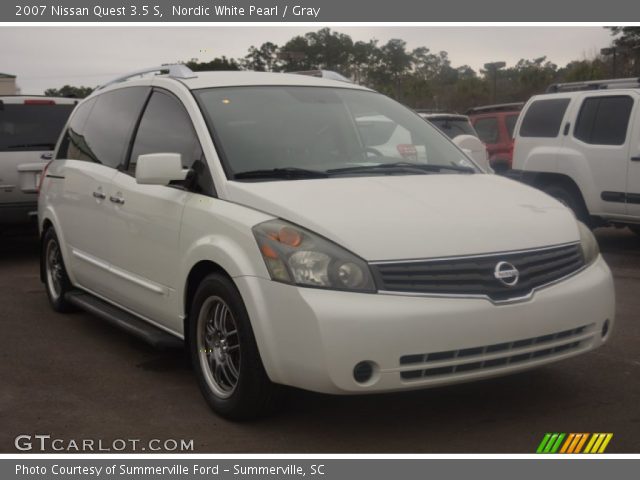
x=494, y=124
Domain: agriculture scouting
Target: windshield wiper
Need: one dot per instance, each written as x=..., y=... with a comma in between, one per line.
x=400, y=167
x=286, y=173
x=30, y=145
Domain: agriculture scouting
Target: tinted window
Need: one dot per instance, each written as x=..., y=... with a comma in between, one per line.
x=487, y=129
x=543, y=118
x=31, y=127
x=510, y=123
x=165, y=128
x=453, y=127
x=73, y=146
x=604, y=120
x=269, y=127
x=107, y=132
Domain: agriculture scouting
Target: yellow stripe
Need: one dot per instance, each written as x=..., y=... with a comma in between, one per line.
x=607, y=439
x=591, y=442
x=582, y=440
x=598, y=442
x=567, y=442
x=574, y=443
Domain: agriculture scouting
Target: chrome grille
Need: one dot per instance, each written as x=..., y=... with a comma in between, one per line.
x=474, y=275
x=451, y=362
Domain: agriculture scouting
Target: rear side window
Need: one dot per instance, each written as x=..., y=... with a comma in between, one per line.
x=73, y=146
x=28, y=127
x=487, y=129
x=604, y=120
x=510, y=123
x=108, y=130
x=543, y=118
x=452, y=127
x=165, y=128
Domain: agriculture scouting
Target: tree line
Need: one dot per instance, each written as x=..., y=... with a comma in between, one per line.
x=421, y=78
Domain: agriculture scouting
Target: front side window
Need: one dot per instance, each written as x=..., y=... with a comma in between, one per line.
x=107, y=132
x=73, y=146
x=543, y=118
x=604, y=120
x=31, y=126
x=487, y=129
x=165, y=127
x=329, y=131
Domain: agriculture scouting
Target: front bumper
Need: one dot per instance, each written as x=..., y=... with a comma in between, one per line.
x=313, y=338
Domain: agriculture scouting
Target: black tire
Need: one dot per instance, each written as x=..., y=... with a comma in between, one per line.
x=56, y=280
x=571, y=199
x=217, y=354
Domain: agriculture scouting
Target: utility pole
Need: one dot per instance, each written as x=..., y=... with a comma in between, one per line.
x=492, y=68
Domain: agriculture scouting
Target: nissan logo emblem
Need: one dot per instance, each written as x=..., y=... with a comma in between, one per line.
x=506, y=274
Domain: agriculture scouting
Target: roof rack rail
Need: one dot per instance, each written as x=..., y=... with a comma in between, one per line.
x=633, y=82
x=499, y=107
x=328, y=74
x=174, y=70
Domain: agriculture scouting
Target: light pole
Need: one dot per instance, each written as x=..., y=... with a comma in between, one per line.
x=493, y=68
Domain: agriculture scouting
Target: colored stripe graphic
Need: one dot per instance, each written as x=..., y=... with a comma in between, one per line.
x=574, y=443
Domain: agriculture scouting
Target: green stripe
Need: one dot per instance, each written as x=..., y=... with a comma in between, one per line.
x=543, y=443
x=558, y=443
x=550, y=443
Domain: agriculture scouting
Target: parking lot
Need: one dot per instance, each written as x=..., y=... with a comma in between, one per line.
x=73, y=377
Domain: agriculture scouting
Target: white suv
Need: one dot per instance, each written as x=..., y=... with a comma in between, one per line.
x=243, y=214
x=29, y=129
x=581, y=144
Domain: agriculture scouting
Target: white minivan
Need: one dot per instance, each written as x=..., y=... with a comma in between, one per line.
x=245, y=216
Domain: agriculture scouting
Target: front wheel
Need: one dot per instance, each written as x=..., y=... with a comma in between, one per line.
x=225, y=354
x=57, y=282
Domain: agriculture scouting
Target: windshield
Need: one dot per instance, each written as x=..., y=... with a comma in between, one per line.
x=454, y=127
x=323, y=132
x=31, y=127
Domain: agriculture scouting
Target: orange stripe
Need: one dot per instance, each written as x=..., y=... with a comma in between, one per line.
x=574, y=443
x=567, y=442
x=584, y=439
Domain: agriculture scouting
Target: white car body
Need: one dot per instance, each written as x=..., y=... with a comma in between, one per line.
x=603, y=179
x=138, y=252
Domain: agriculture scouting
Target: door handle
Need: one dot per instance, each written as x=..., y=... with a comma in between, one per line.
x=118, y=200
x=636, y=158
x=46, y=156
x=99, y=195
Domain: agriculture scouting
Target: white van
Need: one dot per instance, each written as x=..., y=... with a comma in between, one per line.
x=245, y=216
x=29, y=129
x=581, y=144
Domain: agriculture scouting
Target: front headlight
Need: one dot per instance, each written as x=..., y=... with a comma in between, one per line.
x=588, y=244
x=297, y=256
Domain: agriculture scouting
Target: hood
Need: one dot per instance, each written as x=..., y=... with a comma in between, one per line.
x=416, y=216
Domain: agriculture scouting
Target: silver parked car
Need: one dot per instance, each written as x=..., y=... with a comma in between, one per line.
x=29, y=129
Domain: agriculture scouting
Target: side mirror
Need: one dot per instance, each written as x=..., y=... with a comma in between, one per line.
x=159, y=169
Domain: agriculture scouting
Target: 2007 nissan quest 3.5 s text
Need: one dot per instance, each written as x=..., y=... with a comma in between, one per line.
x=262, y=220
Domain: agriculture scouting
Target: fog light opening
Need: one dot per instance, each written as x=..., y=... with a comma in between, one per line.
x=605, y=328
x=363, y=372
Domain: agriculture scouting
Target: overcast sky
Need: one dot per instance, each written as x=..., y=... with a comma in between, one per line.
x=44, y=57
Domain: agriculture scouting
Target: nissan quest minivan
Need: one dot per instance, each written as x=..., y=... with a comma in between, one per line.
x=261, y=220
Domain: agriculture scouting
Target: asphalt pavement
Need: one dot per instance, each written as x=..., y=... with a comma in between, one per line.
x=75, y=377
